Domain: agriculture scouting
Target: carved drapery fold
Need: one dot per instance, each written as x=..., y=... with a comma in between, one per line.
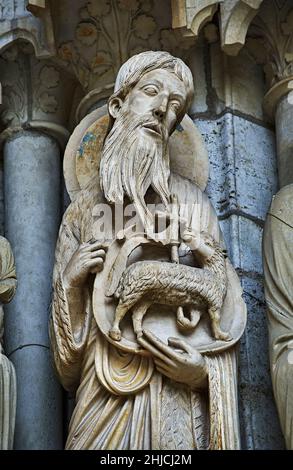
x=7, y=373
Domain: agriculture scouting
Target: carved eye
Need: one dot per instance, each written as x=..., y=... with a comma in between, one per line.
x=175, y=105
x=150, y=90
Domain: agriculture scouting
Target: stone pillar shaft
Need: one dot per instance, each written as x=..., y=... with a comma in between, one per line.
x=284, y=133
x=32, y=217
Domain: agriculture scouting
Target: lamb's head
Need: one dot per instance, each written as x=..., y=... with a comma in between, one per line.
x=213, y=254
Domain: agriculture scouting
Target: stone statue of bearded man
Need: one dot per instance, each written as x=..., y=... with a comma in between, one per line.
x=173, y=394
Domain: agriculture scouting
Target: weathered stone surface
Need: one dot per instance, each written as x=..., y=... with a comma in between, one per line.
x=278, y=277
x=8, y=285
x=243, y=237
x=270, y=40
x=237, y=82
x=84, y=29
x=39, y=405
x=242, y=165
x=236, y=16
x=34, y=92
x=7, y=402
x=1, y=201
x=284, y=130
x=197, y=67
x=243, y=179
x=17, y=22
x=259, y=421
x=32, y=211
x=190, y=15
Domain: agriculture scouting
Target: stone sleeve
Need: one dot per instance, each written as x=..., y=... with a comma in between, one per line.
x=278, y=270
x=71, y=313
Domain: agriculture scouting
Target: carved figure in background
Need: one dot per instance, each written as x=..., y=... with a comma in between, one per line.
x=165, y=389
x=278, y=271
x=7, y=373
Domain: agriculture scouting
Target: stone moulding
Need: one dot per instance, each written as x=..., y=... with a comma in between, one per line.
x=33, y=24
x=191, y=16
x=275, y=94
x=235, y=16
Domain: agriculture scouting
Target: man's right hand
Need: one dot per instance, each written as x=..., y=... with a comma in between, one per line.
x=88, y=258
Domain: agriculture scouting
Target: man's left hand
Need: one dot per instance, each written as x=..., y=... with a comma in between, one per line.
x=186, y=366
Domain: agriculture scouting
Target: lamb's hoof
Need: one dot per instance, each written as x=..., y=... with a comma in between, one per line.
x=185, y=324
x=223, y=336
x=115, y=334
x=139, y=334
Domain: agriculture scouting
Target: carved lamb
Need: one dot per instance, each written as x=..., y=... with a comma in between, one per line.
x=147, y=282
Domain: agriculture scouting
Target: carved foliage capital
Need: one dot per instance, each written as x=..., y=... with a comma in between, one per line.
x=32, y=90
x=271, y=40
x=108, y=33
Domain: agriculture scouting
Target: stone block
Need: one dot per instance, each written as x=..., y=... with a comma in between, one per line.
x=237, y=82
x=196, y=64
x=259, y=424
x=254, y=352
x=259, y=421
x=243, y=166
x=243, y=239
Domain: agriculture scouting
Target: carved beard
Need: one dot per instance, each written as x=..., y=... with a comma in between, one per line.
x=131, y=162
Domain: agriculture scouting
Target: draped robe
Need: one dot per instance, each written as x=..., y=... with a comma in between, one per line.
x=122, y=402
x=278, y=270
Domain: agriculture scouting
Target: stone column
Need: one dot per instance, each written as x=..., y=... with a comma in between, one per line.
x=284, y=134
x=271, y=45
x=35, y=111
x=32, y=217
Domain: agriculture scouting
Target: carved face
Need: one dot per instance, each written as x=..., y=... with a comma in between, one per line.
x=161, y=95
x=135, y=154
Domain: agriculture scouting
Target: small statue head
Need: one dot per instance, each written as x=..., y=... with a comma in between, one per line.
x=153, y=91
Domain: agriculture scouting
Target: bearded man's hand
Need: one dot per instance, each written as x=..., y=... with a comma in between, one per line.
x=177, y=360
x=88, y=258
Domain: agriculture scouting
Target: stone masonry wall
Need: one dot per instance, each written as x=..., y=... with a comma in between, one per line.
x=243, y=178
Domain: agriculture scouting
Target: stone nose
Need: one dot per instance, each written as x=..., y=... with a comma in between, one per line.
x=160, y=110
x=159, y=113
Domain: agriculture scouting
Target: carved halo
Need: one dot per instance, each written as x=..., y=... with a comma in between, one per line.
x=188, y=155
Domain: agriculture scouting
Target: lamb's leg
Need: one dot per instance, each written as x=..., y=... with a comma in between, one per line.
x=184, y=322
x=121, y=310
x=214, y=314
x=138, y=312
